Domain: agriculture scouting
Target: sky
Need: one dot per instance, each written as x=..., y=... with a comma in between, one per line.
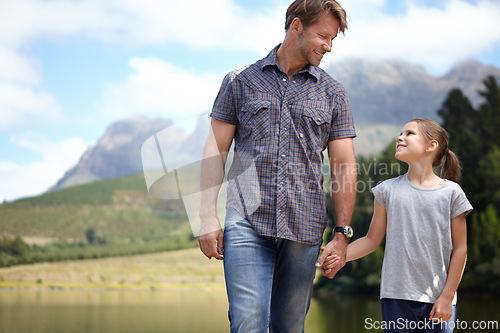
x=69, y=68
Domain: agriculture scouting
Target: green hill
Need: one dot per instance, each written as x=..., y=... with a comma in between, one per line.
x=105, y=218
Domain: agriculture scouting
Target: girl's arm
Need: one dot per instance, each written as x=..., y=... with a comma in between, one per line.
x=442, y=309
x=361, y=246
x=366, y=245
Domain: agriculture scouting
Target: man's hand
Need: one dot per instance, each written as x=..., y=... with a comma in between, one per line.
x=211, y=239
x=333, y=257
x=219, y=141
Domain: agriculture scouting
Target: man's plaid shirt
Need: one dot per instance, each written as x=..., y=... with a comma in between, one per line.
x=283, y=126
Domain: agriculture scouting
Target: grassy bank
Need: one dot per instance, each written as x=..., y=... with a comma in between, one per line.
x=110, y=218
x=185, y=269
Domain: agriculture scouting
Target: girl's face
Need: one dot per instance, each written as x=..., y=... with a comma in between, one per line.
x=411, y=144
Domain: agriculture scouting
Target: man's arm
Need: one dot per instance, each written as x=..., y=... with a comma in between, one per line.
x=215, y=153
x=343, y=191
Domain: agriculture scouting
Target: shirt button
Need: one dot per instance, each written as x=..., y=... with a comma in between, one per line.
x=283, y=155
x=301, y=135
x=284, y=79
x=319, y=119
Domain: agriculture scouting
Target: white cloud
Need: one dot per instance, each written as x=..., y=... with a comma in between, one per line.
x=433, y=37
x=199, y=23
x=34, y=178
x=18, y=68
x=21, y=97
x=158, y=88
x=20, y=102
x=24, y=21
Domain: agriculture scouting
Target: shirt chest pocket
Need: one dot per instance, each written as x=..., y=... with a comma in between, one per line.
x=255, y=119
x=315, y=123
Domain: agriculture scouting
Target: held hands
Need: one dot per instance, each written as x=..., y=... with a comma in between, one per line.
x=331, y=265
x=333, y=257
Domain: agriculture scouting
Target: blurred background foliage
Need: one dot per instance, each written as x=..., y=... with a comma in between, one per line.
x=117, y=217
x=474, y=138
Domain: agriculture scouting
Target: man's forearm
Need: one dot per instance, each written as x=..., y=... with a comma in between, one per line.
x=212, y=172
x=219, y=140
x=343, y=192
x=212, y=175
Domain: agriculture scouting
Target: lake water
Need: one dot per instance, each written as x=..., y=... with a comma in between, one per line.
x=179, y=312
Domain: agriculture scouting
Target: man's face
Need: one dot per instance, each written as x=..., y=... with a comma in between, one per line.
x=316, y=40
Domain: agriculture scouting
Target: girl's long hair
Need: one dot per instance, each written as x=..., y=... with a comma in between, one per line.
x=444, y=156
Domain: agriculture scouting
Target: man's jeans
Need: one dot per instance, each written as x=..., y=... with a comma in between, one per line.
x=269, y=281
x=412, y=316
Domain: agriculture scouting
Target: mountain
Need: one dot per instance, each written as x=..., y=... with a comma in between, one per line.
x=384, y=95
x=393, y=92
x=116, y=154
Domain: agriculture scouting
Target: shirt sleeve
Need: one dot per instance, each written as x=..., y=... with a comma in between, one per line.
x=343, y=122
x=224, y=107
x=381, y=194
x=460, y=203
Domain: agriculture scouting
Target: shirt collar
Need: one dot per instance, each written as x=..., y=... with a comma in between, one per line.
x=272, y=60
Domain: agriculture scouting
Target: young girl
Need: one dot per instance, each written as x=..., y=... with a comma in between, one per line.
x=423, y=216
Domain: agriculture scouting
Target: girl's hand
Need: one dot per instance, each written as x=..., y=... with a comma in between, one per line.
x=331, y=265
x=442, y=310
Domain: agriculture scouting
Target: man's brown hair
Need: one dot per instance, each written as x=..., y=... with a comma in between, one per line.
x=308, y=11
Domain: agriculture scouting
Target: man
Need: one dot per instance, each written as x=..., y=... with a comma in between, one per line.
x=282, y=112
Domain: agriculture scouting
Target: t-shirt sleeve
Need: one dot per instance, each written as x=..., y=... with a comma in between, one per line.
x=381, y=194
x=224, y=107
x=460, y=203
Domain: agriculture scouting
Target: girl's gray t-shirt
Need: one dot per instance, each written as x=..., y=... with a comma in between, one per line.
x=418, y=242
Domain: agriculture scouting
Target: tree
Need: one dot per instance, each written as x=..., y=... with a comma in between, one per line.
x=489, y=124
x=95, y=237
x=473, y=134
x=489, y=114
x=461, y=122
x=490, y=169
x=13, y=251
x=483, y=268
x=20, y=249
x=474, y=138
